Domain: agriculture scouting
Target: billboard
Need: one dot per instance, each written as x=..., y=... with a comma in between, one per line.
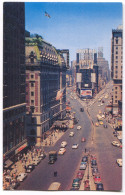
x=86, y=93
x=93, y=77
x=78, y=77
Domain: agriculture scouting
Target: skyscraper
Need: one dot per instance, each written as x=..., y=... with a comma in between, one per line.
x=116, y=66
x=14, y=137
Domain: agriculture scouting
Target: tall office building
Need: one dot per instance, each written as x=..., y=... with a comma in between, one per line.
x=45, y=76
x=85, y=58
x=116, y=66
x=14, y=106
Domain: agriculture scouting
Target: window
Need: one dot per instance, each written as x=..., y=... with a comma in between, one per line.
x=116, y=96
x=32, y=93
x=116, y=57
x=115, y=101
x=115, y=87
x=116, y=52
x=115, y=92
x=32, y=76
x=116, y=67
x=32, y=84
x=32, y=102
x=116, y=41
x=116, y=47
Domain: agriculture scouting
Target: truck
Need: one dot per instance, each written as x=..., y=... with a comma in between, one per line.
x=52, y=157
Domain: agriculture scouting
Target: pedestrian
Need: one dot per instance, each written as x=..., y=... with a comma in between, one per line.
x=55, y=173
x=85, y=150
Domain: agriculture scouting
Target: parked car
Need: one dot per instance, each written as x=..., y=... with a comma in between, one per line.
x=85, y=159
x=42, y=156
x=93, y=163
x=30, y=168
x=99, y=187
x=75, y=146
x=21, y=176
x=76, y=183
x=95, y=171
x=83, y=166
x=83, y=139
x=62, y=151
x=80, y=174
x=86, y=185
x=71, y=134
x=119, y=162
x=79, y=127
x=115, y=143
x=97, y=179
x=63, y=144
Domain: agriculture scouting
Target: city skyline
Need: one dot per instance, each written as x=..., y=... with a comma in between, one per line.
x=98, y=20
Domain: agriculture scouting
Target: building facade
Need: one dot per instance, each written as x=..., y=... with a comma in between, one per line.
x=116, y=66
x=86, y=73
x=14, y=106
x=45, y=76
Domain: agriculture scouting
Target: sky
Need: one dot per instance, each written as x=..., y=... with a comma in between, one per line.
x=74, y=25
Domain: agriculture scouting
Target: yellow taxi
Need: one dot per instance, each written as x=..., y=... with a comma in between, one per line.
x=101, y=122
x=96, y=124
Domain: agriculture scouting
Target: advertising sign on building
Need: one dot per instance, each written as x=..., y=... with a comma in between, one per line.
x=78, y=77
x=86, y=93
x=21, y=148
x=93, y=77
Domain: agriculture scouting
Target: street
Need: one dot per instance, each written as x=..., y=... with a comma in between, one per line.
x=67, y=165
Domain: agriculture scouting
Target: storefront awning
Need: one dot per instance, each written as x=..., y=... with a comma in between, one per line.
x=8, y=163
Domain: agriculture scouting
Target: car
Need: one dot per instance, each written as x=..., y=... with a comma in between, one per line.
x=21, y=176
x=62, y=151
x=63, y=144
x=115, y=143
x=85, y=159
x=120, y=146
x=93, y=157
x=86, y=185
x=93, y=163
x=75, y=146
x=83, y=139
x=101, y=122
x=97, y=179
x=103, y=116
x=76, y=183
x=99, y=105
x=80, y=174
x=119, y=162
x=95, y=171
x=81, y=109
x=96, y=124
x=42, y=156
x=36, y=161
x=99, y=187
x=71, y=134
x=79, y=127
x=30, y=168
x=83, y=166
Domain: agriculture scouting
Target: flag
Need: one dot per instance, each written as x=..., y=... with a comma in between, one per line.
x=59, y=94
x=46, y=14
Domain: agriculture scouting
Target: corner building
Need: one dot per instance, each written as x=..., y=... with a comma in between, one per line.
x=45, y=76
x=14, y=106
